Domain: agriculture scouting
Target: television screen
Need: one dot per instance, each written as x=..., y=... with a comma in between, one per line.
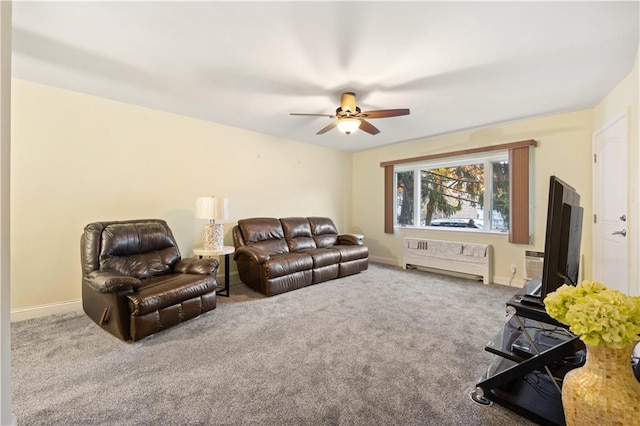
x=563, y=237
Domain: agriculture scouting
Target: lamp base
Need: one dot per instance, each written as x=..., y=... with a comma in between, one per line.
x=214, y=236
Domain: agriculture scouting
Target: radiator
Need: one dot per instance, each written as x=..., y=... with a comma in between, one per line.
x=454, y=256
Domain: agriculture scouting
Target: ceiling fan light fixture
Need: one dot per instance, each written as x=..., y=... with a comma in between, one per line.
x=348, y=125
x=350, y=118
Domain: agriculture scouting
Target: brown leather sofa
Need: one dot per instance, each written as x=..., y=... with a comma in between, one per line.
x=278, y=255
x=134, y=282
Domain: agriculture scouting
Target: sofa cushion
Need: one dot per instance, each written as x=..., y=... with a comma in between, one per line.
x=159, y=292
x=141, y=250
x=324, y=231
x=287, y=263
x=348, y=253
x=264, y=233
x=297, y=232
x=323, y=257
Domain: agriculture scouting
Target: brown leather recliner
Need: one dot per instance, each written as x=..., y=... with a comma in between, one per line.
x=134, y=282
x=278, y=255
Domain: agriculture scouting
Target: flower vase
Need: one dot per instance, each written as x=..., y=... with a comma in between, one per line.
x=604, y=391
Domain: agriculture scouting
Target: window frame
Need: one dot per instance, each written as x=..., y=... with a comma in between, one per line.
x=486, y=158
x=519, y=191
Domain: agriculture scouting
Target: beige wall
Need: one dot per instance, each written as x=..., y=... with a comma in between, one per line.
x=625, y=98
x=564, y=149
x=78, y=158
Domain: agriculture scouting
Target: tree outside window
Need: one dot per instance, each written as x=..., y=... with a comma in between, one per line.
x=472, y=194
x=500, y=201
x=405, y=197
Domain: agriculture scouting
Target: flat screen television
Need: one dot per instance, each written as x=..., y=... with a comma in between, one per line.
x=561, y=263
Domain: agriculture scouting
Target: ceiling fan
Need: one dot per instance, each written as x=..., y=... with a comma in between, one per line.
x=350, y=118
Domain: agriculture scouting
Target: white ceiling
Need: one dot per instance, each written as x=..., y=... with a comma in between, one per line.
x=456, y=65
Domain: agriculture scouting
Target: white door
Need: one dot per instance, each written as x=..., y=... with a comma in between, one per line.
x=610, y=229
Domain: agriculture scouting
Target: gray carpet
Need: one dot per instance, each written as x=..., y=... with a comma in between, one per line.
x=383, y=347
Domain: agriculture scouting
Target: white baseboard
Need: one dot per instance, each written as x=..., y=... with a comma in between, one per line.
x=234, y=279
x=40, y=311
x=22, y=314
x=384, y=260
x=509, y=282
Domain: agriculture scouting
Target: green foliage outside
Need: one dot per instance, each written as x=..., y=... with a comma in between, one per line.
x=443, y=191
x=405, y=187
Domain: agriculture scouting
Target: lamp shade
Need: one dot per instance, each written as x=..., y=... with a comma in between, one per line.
x=348, y=125
x=212, y=208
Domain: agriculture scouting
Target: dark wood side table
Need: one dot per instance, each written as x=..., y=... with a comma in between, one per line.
x=201, y=252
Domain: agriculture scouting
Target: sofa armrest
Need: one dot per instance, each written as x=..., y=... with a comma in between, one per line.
x=351, y=239
x=191, y=265
x=258, y=256
x=110, y=282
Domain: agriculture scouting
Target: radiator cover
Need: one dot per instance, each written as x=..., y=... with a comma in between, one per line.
x=455, y=256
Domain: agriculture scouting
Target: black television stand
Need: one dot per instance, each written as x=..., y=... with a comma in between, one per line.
x=532, y=352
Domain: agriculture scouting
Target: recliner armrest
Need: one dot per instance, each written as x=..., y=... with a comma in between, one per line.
x=191, y=265
x=351, y=239
x=259, y=256
x=110, y=282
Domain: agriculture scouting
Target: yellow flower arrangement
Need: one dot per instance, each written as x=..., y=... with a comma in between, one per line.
x=599, y=315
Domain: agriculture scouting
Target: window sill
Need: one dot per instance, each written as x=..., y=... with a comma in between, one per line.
x=447, y=229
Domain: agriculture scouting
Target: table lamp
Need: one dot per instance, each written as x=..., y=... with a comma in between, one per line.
x=214, y=209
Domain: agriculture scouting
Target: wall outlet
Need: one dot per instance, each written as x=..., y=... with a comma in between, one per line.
x=513, y=268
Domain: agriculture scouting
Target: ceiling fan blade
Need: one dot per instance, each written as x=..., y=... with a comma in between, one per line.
x=365, y=126
x=314, y=115
x=384, y=113
x=327, y=128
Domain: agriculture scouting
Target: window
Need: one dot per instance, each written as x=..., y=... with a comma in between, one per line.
x=405, y=197
x=515, y=192
x=471, y=193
